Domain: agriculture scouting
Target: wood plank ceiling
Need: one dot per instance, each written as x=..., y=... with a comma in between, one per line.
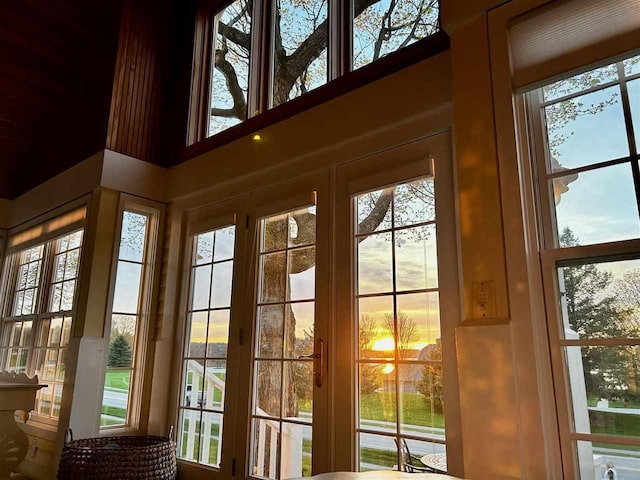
x=56, y=74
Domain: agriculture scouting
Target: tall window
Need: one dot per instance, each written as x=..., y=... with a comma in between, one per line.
x=204, y=362
x=399, y=356
x=230, y=66
x=587, y=129
x=282, y=413
x=128, y=322
x=39, y=310
x=237, y=75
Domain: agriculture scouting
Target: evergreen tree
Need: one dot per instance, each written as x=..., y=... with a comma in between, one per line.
x=594, y=313
x=431, y=383
x=120, y=352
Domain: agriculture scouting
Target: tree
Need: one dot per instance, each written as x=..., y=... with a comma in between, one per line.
x=406, y=332
x=120, y=352
x=592, y=312
x=300, y=46
x=368, y=375
x=430, y=385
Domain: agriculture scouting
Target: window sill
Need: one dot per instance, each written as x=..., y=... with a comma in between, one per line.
x=394, y=62
x=116, y=431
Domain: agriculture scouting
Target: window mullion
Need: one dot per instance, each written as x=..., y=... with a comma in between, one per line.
x=334, y=44
x=346, y=30
x=548, y=232
x=262, y=53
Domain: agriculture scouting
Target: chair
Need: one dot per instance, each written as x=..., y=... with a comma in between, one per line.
x=411, y=463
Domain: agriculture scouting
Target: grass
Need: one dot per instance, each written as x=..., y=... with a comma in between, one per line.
x=378, y=406
x=108, y=422
x=381, y=406
x=114, y=411
x=117, y=379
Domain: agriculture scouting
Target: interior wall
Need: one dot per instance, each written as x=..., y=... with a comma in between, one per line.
x=346, y=127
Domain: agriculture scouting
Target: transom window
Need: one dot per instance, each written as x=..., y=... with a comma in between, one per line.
x=36, y=329
x=237, y=76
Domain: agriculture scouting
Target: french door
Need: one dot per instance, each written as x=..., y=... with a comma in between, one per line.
x=286, y=313
x=278, y=381
x=397, y=308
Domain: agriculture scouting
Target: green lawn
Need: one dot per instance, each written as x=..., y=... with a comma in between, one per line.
x=117, y=379
x=415, y=411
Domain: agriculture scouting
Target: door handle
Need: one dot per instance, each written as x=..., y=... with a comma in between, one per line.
x=318, y=362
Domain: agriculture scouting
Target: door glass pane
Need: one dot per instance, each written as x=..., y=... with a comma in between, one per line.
x=377, y=452
x=375, y=263
x=400, y=392
x=414, y=243
x=211, y=439
x=283, y=385
x=204, y=369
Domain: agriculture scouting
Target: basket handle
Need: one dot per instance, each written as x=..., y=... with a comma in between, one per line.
x=68, y=436
x=171, y=433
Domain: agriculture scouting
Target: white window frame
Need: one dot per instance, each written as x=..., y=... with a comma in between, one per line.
x=552, y=257
x=430, y=156
x=139, y=396
x=46, y=231
x=340, y=63
x=223, y=214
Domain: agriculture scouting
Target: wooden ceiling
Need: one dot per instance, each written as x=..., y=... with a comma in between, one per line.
x=56, y=75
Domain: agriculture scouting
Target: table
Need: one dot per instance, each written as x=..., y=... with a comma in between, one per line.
x=437, y=461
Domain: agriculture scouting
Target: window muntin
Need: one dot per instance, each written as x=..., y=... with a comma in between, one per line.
x=37, y=331
x=588, y=127
x=282, y=405
x=230, y=59
x=204, y=369
x=386, y=26
x=122, y=376
x=399, y=359
x=246, y=77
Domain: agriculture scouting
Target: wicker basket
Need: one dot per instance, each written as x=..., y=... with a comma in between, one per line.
x=126, y=457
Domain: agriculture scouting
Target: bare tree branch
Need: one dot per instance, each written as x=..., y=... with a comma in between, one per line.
x=239, y=101
x=377, y=214
x=236, y=36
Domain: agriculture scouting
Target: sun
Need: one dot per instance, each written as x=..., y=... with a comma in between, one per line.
x=384, y=344
x=388, y=368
